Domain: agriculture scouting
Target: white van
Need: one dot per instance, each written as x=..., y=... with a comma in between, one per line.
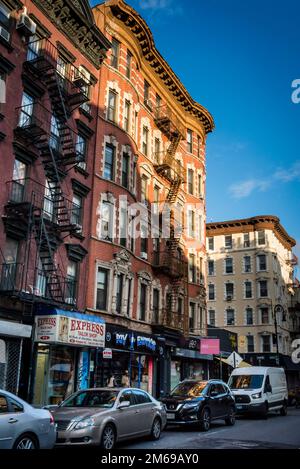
x=259, y=389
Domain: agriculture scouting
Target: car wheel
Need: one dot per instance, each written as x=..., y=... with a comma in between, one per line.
x=108, y=439
x=26, y=442
x=230, y=419
x=283, y=410
x=156, y=429
x=205, y=420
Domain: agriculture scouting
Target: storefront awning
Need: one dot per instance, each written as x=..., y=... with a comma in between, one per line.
x=15, y=329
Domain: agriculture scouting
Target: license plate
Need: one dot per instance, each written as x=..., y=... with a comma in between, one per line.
x=171, y=416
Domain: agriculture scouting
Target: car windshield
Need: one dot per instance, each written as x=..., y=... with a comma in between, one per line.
x=102, y=399
x=189, y=389
x=246, y=381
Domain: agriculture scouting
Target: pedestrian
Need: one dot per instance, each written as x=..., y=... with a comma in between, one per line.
x=111, y=382
x=125, y=380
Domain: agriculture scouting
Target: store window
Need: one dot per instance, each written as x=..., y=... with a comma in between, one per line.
x=175, y=373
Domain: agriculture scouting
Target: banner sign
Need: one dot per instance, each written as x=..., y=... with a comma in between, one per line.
x=210, y=346
x=70, y=328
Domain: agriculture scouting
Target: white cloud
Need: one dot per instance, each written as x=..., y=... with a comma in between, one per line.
x=170, y=7
x=245, y=188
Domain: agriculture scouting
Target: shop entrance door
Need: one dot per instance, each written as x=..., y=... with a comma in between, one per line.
x=41, y=375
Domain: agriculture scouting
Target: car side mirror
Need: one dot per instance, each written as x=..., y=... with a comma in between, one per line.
x=123, y=405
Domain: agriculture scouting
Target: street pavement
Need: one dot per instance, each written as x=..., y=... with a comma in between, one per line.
x=248, y=433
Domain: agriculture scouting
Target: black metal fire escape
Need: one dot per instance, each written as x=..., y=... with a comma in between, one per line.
x=171, y=260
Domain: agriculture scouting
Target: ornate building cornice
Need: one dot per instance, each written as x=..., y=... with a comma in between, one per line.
x=139, y=28
x=244, y=225
x=75, y=19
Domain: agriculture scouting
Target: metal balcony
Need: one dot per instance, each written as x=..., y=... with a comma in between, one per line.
x=167, y=166
x=168, y=122
x=168, y=264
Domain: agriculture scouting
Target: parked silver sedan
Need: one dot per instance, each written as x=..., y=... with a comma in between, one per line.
x=103, y=416
x=24, y=427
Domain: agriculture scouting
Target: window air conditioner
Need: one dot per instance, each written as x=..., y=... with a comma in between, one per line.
x=144, y=255
x=81, y=77
x=229, y=297
x=82, y=165
x=26, y=26
x=4, y=34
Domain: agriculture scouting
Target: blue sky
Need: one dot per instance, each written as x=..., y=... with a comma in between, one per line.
x=238, y=59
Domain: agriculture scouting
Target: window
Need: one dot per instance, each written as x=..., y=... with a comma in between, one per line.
x=192, y=268
x=61, y=68
x=261, y=262
x=141, y=397
x=158, y=103
x=156, y=305
x=129, y=287
x=250, y=343
x=228, y=241
x=115, y=50
x=192, y=316
x=146, y=92
x=102, y=289
x=266, y=343
x=8, y=272
x=211, y=244
x=107, y=220
x=3, y=402
x=144, y=240
x=211, y=267
x=189, y=140
x=211, y=317
x=71, y=280
x=125, y=170
x=228, y=265
x=33, y=48
x=229, y=290
x=54, y=134
x=76, y=215
x=191, y=223
x=249, y=316
x=127, y=115
x=180, y=305
x=144, y=189
x=261, y=237
x=26, y=112
x=109, y=162
x=157, y=150
x=246, y=240
x=112, y=106
x=248, y=289
x=119, y=293
x=145, y=140
x=230, y=317
x=123, y=226
x=4, y=16
x=81, y=147
x=156, y=191
x=49, y=196
x=128, y=64
x=143, y=299
x=18, y=185
x=199, y=146
x=211, y=291
x=247, y=264
x=190, y=181
x=263, y=288
x=264, y=312
x=200, y=186
x=2, y=88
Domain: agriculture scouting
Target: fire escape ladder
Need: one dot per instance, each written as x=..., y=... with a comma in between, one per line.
x=54, y=85
x=46, y=251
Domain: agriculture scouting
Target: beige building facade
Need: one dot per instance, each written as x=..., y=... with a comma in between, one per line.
x=250, y=273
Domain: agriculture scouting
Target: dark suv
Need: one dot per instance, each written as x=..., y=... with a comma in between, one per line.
x=200, y=402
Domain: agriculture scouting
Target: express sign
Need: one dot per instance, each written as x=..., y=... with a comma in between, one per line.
x=70, y=328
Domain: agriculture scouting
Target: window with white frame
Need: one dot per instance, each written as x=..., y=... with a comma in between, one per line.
x=125, y=170
x=112, y=106
x=190, y=181
x=229, y=265
x=249, y=316
x=145, y=141
x=109, y=159
x=246, y=240
x=71, y=282
x=156, y=150
x=230, y=317
x=211, y=244
x=211, y=267
x=191, y=223
x=263, y=288
x=189, y=141
x=261, y=237
x=76, y=214
x=127, y=108
x=123, y=226
x=248, y=289
x=115, y=52
x=26, y=111
x=4, y=16
x=211, y=292
x=192, y=268
x=200, y=193
x=264, y=315
x=266, y=343
x=228, y=241
x=107, y=220
x=102, y=288
x=247, y=264
x=261, y=262
x=81, y=148
x=229, y=290
x=211, y=317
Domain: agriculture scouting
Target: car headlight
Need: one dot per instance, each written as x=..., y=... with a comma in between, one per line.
x=88, y=422
x=256, y=395
x=190, y=405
